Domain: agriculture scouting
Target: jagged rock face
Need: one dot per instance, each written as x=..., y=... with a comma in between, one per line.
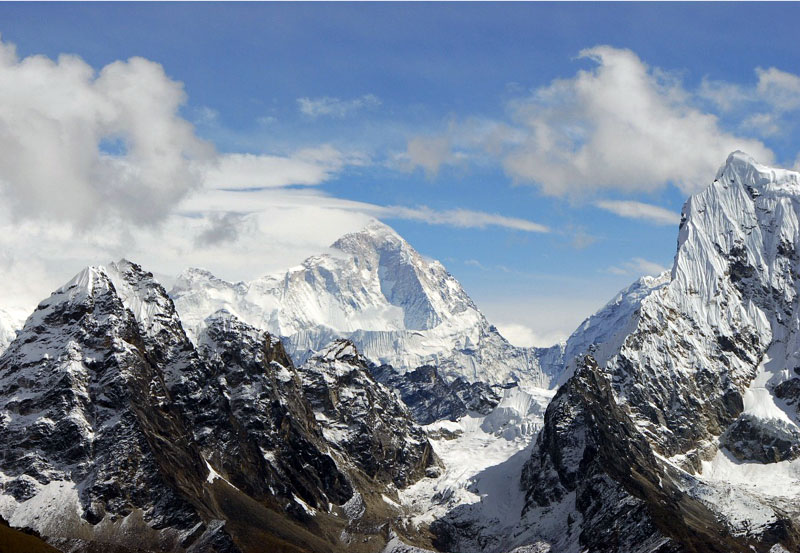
x=430, y=398
x=92, y=425
x=701, y=340
x=374, y=289
x=285, y=452
x=364, y=419
x=125, y=435
x=591, y=454
x=702, y=381
x=750, y=439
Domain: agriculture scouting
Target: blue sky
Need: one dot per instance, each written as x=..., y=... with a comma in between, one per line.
x=542, y=151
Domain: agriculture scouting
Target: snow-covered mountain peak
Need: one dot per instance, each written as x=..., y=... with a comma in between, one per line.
x=743, y=169
x=373, y=288
x=375, y=235
x=85, y=284
x=144, y=296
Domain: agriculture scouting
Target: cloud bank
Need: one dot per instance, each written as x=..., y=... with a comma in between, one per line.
x=87, y=146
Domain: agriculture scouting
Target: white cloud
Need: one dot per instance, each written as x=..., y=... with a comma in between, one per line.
x=581, y=239
x=428, y=152
x=86, y=146
x=475, y=263
x=524, y=336
x=336, y=107
x=95, y=166
x=622, y=126
x=529, y=319
x=778, y=88
x=639, y=210
x=205, y=115
x=762, y=124
x=762, y=107
x=637, y=266
x=462, y=218
x=726, y=96
x=308, y=167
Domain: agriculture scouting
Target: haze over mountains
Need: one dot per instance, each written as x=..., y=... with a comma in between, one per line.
x=362, y=402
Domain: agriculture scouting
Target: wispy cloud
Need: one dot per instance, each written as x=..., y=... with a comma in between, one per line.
x=309, y=167
x=336, y=107
x=524, y=336
x=637, y=266
x=639, y=210
x=761, y=106
x=462, y=218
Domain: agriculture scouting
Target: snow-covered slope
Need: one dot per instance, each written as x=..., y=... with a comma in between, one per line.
x=373, y=288
x=602, y=334
x=685, y=436
x=118, y=433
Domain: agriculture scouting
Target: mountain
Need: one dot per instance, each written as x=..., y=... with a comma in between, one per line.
x=374, y=289
x=430, y=397
x=675, y=427
x=684, y=436
x=120, y=434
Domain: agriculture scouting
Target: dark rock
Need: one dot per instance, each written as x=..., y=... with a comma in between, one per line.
x=752, y=439
x=430, y=398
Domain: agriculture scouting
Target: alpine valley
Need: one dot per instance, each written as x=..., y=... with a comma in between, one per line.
x=362, y=402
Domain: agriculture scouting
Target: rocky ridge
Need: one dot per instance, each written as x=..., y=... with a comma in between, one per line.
x=684, y=436
x=124, y=433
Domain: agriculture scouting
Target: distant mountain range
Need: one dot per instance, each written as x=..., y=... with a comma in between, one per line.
x=374, y=289
x=361, y=402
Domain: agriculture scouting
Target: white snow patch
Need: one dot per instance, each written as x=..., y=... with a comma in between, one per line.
x=483, y=463
x=306, y=507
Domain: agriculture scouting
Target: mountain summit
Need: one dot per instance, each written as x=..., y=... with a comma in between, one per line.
x=374, y=289
x=683, y=434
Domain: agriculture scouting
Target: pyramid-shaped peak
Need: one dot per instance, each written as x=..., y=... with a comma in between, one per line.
x=375, y=234
x=378, y=228
x=84, y=284
x=124, y=266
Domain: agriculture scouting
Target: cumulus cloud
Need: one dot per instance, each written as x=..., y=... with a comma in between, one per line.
x=621, y=125
x=336, y=107
x=83, y=146
x=764, y=107
x=98, y=165
x=637, y=266
x=639, y=210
